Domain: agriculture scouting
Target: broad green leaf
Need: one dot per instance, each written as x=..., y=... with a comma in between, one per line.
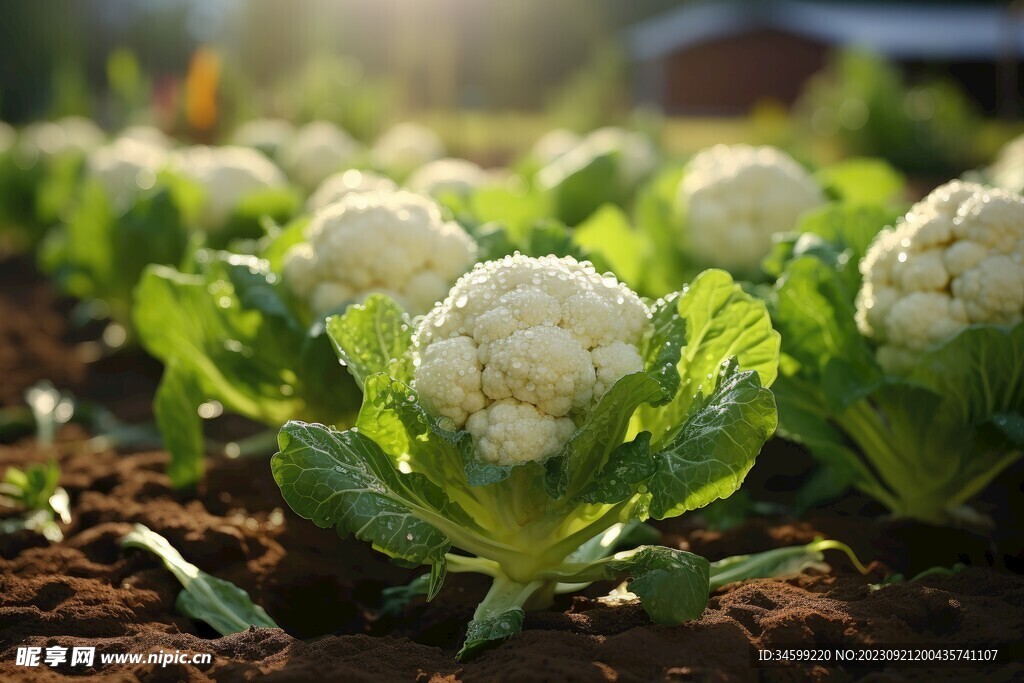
x=712, y=453
x=373, y=337
x=778, y=562
x=864, y=181
x=672, y=584
x=836, y=234
x=579, y=182
x=582, y=457
x=343, y=479
x=219, y=603
x=722, y=322
x=177, y=400
x=630, y=466
x=490, y=630
x=608, y=234
x=817, y=323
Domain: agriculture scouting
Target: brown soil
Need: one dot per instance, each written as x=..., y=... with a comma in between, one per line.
x=325, y=591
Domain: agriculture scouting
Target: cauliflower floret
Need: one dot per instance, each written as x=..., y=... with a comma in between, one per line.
x=316, y=151
x=227, y=175
x=956, y=259
x=1008, y=170
x=149, y=135
x=737, y=198
x=125, y=166
x=509, y=432
x=395, y=243
x=444, y=176
x=406, y=147
x=613, y=362
x=541, y=360
x=338, y=185
x=452, y=378
x=269, y=136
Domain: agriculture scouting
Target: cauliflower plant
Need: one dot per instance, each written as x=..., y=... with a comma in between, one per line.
x=736, y=198
x=125, y=166
x=148, y=134
x=316, y=151
x=553, y=145
x=228, y=175
x=47, y=140
x=338, y=185
x=956, y=259
x=523, y=345
x=444, y=176
x=395, y=243
x=406, y=147
x=269, y=136
x=1008, y=170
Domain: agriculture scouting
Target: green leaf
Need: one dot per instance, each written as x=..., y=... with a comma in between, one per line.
x=863, y=181
x=716, y=447
x=373, y=337
x=221, y=604
x=608, y=234
x=629, y=467
x=343, y=479
x=672, y=584
x=176, y=403
x=573, y=468
x=722, y=322
x=486, y=632
x=816, y=320
x=579, y=182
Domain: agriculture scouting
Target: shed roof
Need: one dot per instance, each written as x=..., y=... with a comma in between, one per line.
x=901, y=30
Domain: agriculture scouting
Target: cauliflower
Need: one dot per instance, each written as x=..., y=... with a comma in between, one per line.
x=340, y=184
x=396, y=243
x=125, y=166
x=1008, y=170
x=553, y=145
x=269, y=136
x=406, y=147
x=227, y=175
x=318, y=150
x=736, y=198
x=521, y=347
x=956, y=259
x=147, y=134
x=444, y=176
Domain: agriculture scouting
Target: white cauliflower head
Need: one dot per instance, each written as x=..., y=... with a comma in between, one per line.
x=522, y=346
x=125, y=166
x=956, y=259
x=228, y=175
x=553, y=145
x=149, y=135
x=340, y=184
x=405, y=147
x=46, y=140
x=444, y=176
x=1008, y=170
x=736, y=198
x=318, y=150
x=269, y=136
x=394, y=243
